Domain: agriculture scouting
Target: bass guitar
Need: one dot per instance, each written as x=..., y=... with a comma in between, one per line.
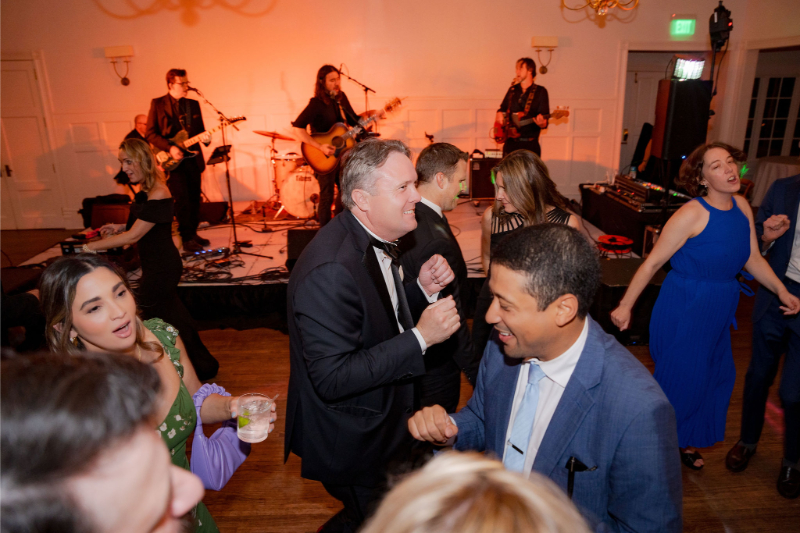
x=509, y=128
x=341, y=139
x=183, y=141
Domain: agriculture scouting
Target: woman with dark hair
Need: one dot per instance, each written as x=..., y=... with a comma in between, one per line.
x=707, y=241
x=88, y=306
x=150, y=225
x=525, y=196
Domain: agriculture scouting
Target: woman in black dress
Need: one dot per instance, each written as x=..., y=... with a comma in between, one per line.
x=525, y=196
x=150, y=224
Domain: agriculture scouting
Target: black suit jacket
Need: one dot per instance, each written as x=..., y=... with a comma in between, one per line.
x=350, y=387
x=161, y=126
x=433, y=236
x=782, y=198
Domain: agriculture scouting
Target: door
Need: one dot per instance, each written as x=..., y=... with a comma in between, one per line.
x=29, y=185
x=641, y=90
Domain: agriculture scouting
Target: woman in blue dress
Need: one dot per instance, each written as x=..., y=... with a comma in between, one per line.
x=707, y=241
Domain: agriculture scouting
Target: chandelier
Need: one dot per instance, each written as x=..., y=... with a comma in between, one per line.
x=601, y=7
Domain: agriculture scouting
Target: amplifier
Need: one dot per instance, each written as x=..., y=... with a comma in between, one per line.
x=297, y=240
x=481, y=186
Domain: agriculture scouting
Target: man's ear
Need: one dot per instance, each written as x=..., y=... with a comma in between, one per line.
x=361, y=198
x=441, y=180
x=566, y=309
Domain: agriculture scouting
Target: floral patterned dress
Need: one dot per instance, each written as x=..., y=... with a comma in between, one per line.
x=182, y=418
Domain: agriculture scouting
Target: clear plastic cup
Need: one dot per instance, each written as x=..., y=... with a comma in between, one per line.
x=255, y=411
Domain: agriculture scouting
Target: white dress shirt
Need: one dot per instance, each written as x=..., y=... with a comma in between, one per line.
x=557, y=373
x=432, y=205
x=386, y=268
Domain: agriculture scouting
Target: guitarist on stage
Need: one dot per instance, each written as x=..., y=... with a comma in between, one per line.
x=328, y=106
x=532, y=101
x=168, y=115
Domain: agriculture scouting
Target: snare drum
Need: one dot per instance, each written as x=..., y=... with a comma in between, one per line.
x=285, y=165
x=297, y=191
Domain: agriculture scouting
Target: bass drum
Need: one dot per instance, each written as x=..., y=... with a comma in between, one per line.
x=285, y=165
x=300, y=193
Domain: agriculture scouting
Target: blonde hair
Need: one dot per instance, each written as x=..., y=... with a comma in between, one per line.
x=469, y=493
x=528, y=186
x=140, y=151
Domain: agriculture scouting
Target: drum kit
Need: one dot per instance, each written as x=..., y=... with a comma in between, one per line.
x=296, y=188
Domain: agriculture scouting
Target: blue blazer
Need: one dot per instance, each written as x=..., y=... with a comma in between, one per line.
x=612, y=415
x=782, y=198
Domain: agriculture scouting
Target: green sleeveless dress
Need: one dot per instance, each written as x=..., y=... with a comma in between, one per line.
x=181, y=420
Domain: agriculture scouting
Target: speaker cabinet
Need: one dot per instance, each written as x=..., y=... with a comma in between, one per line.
x=480, y=178
x=298, y=240
x=682, y=112
x=213, y=212
x=616, y=276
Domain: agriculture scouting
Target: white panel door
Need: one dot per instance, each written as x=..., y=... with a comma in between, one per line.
x=29, y=178
x=641, y=91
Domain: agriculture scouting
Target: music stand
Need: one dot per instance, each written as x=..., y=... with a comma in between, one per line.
x=220, y=155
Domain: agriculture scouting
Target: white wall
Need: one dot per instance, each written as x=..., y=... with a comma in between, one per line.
x=454, y=60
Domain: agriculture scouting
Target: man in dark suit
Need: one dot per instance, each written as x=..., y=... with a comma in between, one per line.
x=558, y=396
x=354, y=349
x=775, y=334
x=441, y=175
x=139, y=128
x=168, y=115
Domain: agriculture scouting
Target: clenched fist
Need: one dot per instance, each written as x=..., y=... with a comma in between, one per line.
x=432, y=424
x=439, y=321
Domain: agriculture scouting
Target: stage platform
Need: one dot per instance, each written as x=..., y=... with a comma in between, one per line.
x=245, y=291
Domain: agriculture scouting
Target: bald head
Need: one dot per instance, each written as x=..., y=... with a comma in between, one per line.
x=140, y=124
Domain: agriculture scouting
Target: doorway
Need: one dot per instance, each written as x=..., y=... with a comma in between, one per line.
x=29, y=190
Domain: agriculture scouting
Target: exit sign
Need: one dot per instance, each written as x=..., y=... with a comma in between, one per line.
x=682, y=27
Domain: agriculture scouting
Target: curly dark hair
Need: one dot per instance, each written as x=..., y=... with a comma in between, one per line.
x=691, y=173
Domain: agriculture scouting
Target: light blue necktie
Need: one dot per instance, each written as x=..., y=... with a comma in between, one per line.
x=517, y=445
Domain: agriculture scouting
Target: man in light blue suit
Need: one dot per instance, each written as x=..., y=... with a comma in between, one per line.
x=557, y=395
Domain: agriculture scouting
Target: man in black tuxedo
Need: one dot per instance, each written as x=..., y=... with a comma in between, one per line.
x=441, y=175
x=354, y=349
x=775, y=334
x=168, y=115
x=139, y=128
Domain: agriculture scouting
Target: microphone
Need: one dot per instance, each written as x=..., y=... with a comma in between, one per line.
x=192, y=89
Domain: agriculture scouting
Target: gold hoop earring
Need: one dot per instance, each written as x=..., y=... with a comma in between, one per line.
x=74, y=341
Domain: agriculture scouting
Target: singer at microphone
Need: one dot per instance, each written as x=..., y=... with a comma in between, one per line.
x=530, y=104
x=327, y=107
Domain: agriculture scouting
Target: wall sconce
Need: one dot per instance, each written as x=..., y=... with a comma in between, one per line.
x=120, y=53
x=601, y=7
x=546, y=43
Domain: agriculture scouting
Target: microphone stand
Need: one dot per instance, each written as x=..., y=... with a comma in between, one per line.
x=224, y=122
x=364, y=87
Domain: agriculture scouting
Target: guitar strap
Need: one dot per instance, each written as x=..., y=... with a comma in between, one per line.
x=530, y=100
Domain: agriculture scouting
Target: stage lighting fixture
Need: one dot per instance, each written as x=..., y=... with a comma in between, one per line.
x=687, y=67
x=720, y=25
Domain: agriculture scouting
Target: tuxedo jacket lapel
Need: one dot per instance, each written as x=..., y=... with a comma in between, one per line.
x=372, y=265
x=575, y=403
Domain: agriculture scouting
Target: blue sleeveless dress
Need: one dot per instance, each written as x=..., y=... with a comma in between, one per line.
x=690, y=338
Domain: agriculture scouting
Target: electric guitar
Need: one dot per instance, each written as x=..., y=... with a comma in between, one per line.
x=509, y=129
x=340, y=138
x=183, y=141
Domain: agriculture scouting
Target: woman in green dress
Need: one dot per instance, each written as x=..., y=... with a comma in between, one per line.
x=89, y=306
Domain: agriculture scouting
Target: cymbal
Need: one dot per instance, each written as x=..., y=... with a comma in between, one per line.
x=273, y=135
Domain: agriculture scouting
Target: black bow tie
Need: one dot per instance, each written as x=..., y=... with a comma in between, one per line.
x=390, y=248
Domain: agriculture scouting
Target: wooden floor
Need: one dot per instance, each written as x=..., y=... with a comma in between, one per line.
x=266, y=495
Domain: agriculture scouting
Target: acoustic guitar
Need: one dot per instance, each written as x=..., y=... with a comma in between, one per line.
x=509, y=129
x=183, y=141
x=340, y=138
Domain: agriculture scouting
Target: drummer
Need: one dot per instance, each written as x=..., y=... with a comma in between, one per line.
x=328, y=106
